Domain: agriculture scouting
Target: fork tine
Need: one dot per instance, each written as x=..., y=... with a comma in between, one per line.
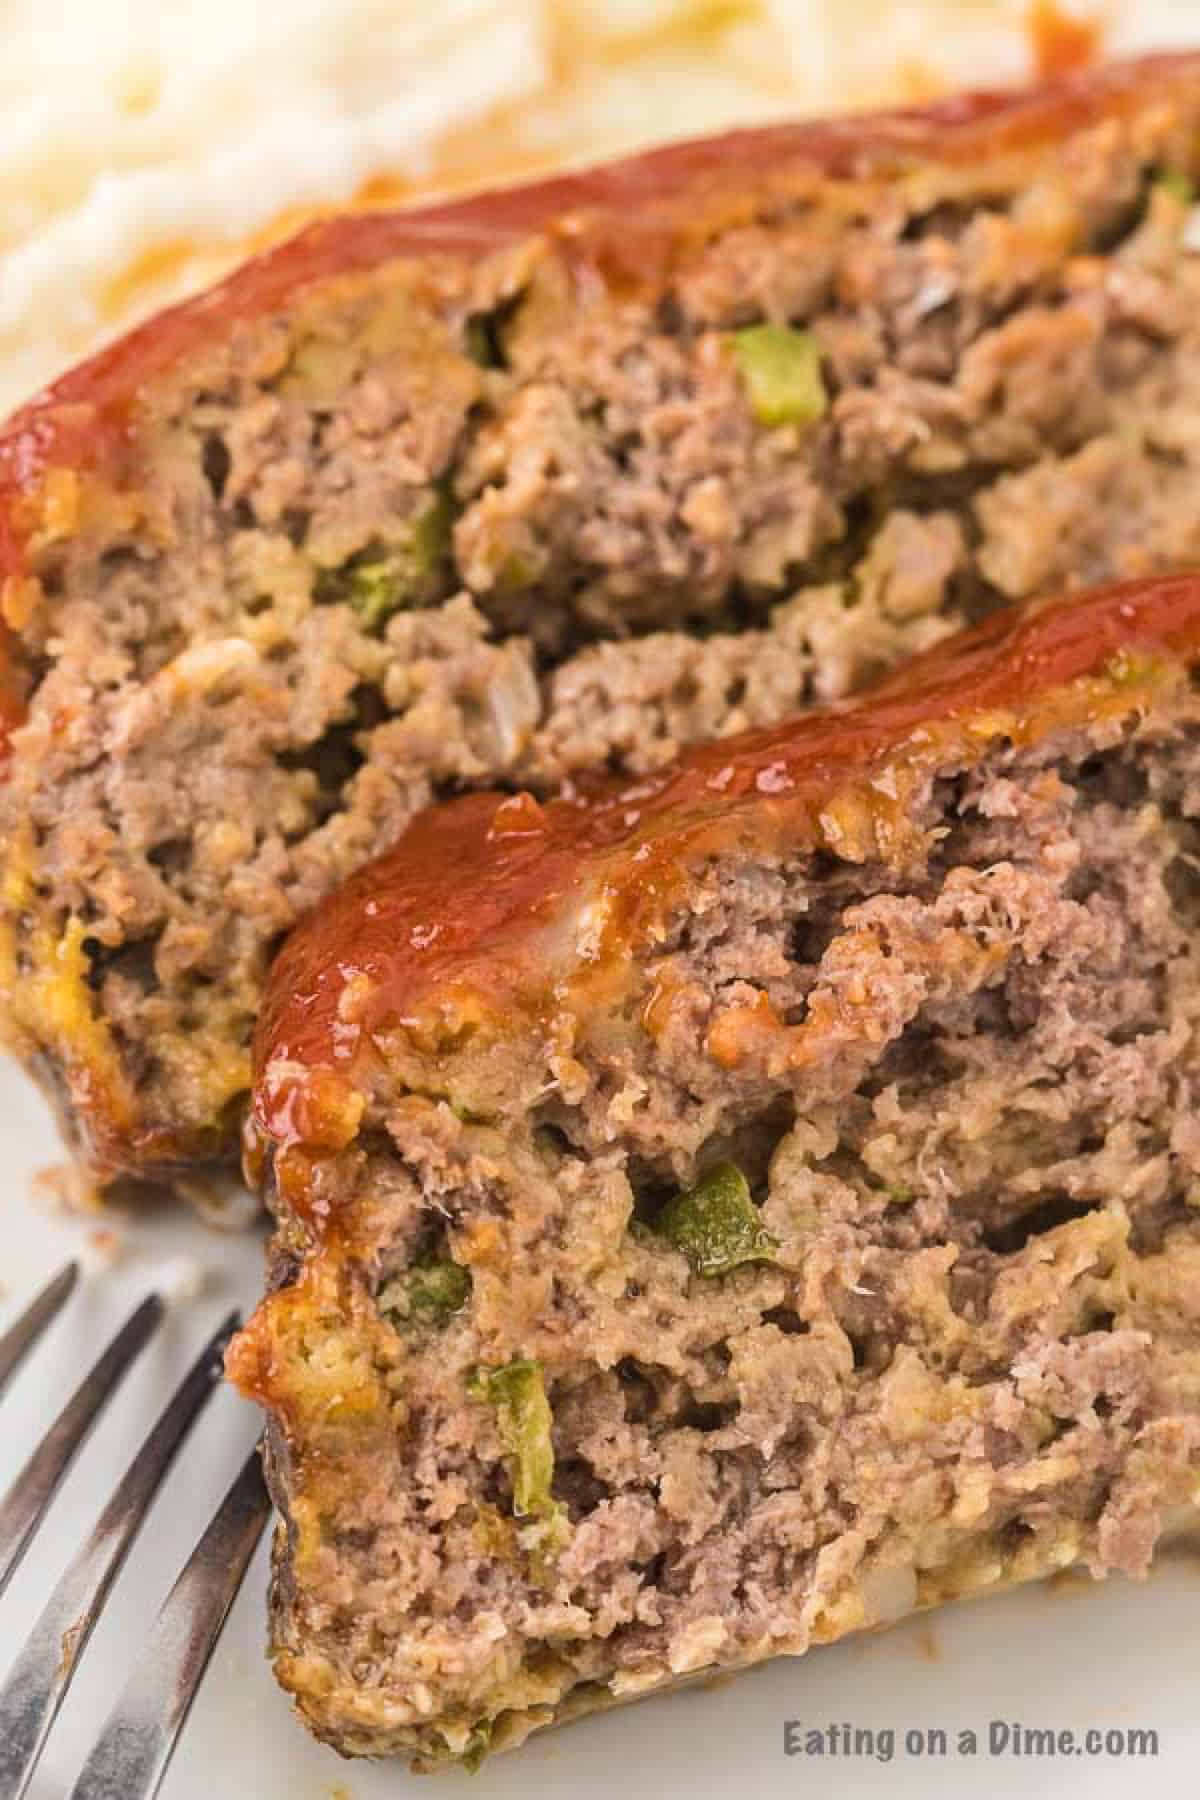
x=22, y=1507
x=42, y=1673
x=130, y=1756
x=25, y=1331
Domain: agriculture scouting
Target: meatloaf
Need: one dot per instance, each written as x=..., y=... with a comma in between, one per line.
x=722, y=1210
x=556, y=479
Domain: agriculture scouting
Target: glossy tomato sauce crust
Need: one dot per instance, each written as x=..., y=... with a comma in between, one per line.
x=461, y=910
x=722, y=1213
x=623, y=223
x=509, y=504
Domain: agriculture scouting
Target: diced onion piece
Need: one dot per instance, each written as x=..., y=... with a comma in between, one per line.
x=889, y=1593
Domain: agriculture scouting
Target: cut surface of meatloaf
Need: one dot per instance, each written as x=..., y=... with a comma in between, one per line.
x=546, y=481
x=721, y=1211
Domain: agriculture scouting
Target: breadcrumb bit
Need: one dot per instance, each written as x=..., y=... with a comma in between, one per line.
x=181, y=1278
x=64, y=1188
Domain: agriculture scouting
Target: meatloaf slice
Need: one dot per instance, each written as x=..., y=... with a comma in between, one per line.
x=557, y=479
x=725, y=1210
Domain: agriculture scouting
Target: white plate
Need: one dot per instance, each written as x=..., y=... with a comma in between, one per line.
x=1117, y=1656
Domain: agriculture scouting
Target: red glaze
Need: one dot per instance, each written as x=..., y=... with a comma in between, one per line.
x=463, y=903
x=12, y=706
x=619, y=216
x=624, y=219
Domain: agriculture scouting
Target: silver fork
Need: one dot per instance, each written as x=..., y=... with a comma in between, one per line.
x=130, y=1757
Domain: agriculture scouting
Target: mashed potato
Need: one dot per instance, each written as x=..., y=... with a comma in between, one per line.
x=146, y=144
